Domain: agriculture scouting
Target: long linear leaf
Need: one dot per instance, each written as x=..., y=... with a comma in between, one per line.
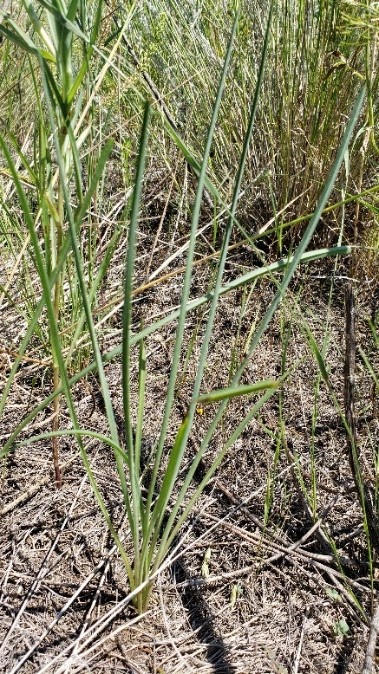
x=236, y=391
x=188, y=274
x=127, y=330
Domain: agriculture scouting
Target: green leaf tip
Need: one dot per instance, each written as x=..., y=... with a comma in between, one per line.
x=235, y=391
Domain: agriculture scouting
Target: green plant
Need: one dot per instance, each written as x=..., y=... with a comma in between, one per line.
x=154, y=517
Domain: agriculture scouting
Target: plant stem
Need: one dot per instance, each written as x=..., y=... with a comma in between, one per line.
x=56, y=304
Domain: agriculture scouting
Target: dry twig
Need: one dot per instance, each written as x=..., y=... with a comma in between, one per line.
x=371, y=644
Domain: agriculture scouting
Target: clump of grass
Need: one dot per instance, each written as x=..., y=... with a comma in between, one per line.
x=154, y=516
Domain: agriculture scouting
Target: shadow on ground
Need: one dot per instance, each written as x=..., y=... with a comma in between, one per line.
x=202, y=621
